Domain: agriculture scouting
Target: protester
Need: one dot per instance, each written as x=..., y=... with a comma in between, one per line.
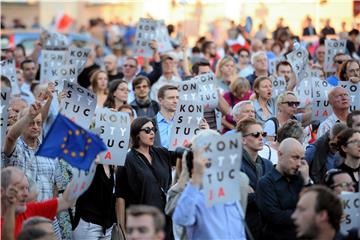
x=264, y=105
x=340, y=102
x=353, y=120
x=287, y=107
x=243, y=65
x=143, y=104
x=348, y=143
x=320, y=56
x=225, y=73
x=84, y=77
x=349, y=71
x=144, y=222
x=323, y=155
x=254, y=167
x=203, y=222
x=318, y=214
x=339, y=181
x=259, y=61
x=278, y=191
x=110, y=62
x=99, y=85
x=117, y=95
x=95, y=208
x=15, y=186
x=208, y=50
x=146, y=176
x=239, y=91
x=291, y=129
x=284, y=69
x=29, y=69
x=168, y=96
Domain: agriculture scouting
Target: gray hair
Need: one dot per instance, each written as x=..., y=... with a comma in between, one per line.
x=237, y=108
x=199, y=139
x=257, y=55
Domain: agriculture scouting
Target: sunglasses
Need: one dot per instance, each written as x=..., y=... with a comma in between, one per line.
x=257, y=134
x=129, y=65
x=339, y=61
x=148, y=130
x=292, y=104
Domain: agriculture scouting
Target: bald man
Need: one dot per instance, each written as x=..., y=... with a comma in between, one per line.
x=278, y=191
x=110, y=62
x=339, y=101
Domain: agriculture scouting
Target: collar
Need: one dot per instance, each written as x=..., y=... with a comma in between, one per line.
x=276, y=175
x=161, y=118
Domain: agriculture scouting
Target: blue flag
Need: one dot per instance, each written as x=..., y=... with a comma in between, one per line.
x=72, y=143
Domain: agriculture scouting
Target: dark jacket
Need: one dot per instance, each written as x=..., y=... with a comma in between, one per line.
x=253, y=218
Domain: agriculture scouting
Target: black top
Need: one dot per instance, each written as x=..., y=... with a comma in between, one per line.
x=352, y=172
x=136, y=183
x=249, y=167
x=119, y=75
x=84, y=76
x=97, y=204
x=276, y=197
x=148, y=108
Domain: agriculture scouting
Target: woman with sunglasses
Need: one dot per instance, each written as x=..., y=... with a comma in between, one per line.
x=146, y=175
x=348, y=142
x=118, y=94
x=287, y=108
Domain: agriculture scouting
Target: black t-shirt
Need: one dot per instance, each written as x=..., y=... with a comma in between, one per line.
x=119, y=75
x=136, y=183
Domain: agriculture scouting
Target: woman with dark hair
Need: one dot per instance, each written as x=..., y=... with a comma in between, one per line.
x=117, y=95
x=348, y=142
x=349, y=71
x=146, y=175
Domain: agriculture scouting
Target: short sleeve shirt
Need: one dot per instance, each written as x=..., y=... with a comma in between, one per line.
x=39, y=169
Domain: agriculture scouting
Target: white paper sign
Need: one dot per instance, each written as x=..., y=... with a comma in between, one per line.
x=54, y=41
x=354, y=94
x=278, y=86
x=298, y=59
x=4, y=110
x=222, y=175
x=59, y=75
x=51, y=59
x=187, y=119
x=79, y=104
x=115, y=133
x=81, y=180
x=332, y=47
x=8, y=70
x=321, y=108
x=351, y=208
x=78, y=56
x=148, y=30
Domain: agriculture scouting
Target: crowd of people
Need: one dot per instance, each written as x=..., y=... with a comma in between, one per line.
x=293, y=169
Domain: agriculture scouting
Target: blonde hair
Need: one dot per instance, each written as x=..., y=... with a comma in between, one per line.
x=220, y=64
x=282, y=96
x=238, y=83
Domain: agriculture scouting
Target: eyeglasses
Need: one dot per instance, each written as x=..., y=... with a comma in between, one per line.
x=148, y=130
x=292, y=104
x=257, y=134
x=357, y=142
x=243, y=56
x=129, y=65
x=344, y=185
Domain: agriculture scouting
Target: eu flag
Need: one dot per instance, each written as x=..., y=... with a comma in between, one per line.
x=72, y=143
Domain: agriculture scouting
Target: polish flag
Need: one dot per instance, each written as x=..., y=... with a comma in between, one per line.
x=63, y=22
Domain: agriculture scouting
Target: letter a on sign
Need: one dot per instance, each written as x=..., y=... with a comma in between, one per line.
x=108, y=155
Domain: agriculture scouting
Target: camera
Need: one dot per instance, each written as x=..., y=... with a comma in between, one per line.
x=189, y=157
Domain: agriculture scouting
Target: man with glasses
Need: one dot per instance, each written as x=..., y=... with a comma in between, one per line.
x=339, y=101
x=278, y=191
x=254, y=167
x=339, y=181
